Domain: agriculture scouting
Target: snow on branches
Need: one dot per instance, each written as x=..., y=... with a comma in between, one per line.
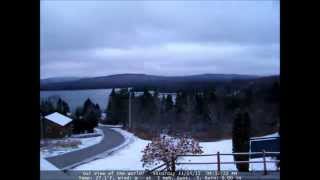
x=166, y=148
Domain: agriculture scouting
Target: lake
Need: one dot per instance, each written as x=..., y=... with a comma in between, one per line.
x=76, y=98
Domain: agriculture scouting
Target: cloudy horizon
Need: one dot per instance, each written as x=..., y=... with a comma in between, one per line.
x=171, y=38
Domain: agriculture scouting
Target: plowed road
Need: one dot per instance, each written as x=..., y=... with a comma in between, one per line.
x=111, y=140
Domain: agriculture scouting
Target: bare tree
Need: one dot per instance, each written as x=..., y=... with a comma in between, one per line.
x=166, y=149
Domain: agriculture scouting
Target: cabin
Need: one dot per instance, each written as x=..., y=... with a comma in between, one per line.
x=57, y=126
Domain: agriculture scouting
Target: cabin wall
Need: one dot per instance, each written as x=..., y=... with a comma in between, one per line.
x=53, y=130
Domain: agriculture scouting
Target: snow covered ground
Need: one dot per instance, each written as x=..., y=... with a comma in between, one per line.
x=46, y=165
x=58, y=150
x=129, y=157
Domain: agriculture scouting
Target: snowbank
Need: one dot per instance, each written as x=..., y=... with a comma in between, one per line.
x=129, y=157
x=97, y=132
x=268, y=136
x=110, y=126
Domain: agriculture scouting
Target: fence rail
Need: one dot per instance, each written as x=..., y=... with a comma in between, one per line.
x=219, y=162
x=226, y=154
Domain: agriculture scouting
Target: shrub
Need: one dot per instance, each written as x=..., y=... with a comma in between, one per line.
x=166, y=149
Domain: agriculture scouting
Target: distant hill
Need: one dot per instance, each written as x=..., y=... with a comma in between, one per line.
x=58, y=80
x=139, y=81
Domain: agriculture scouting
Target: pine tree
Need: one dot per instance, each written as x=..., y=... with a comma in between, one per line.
x=147, y=105
x=78, y=112
x=59, y=107
x=78, y=122
x=62, y=107
x=181, y=101
x=46, y=107
x=91, y=119
x=210, y=95
x=248, y=99
x=87, y=105
x=168, y=103
x=162, y=104
x=241, y=138
x=65, y=107
x=200, y=104
x=123, y=106
x=98, y=110
x=109, y=109
x=117, y=110
x=87, y=117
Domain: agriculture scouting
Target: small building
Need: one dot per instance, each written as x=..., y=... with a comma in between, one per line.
x=103, y=116
x=57, y=125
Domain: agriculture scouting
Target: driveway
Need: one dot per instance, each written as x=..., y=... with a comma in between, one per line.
x=111, y=140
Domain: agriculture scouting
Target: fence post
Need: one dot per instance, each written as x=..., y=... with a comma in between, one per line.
x=264, y=163
x=218, y=163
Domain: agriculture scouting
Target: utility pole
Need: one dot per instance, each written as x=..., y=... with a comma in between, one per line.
x=42, y=128
x=129, y=114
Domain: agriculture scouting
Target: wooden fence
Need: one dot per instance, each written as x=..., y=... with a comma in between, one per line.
x=219, y=162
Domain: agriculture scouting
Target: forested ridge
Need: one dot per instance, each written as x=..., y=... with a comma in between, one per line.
x=206, y=114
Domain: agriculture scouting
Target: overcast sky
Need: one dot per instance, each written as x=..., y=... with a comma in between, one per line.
x=97, y=38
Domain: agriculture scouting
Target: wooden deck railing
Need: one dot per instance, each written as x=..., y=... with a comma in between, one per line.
x=219, y=162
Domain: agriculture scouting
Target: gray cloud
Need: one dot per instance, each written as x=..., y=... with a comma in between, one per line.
x=92, y=38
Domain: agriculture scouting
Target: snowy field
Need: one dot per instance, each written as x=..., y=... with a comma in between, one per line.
x=58, y=150
x=129, y=157
x=46, y=165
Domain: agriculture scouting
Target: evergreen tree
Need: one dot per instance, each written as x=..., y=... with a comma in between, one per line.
x=46, y=107
x=162, y=104
x=210, y=95
x=78, y=112
x=98, y=110
x=117, y=110
x=156, y=94
x=59, y=107
x=200, y=104
x=147, y=104
x=146, y=98
x=248, y=99
x=78, y=122
x=241, y=138
x=91, y=118
x=123, y=106
x=273, y=94
x=65, y=107
x=87, y=105
x=86, y=117
x=110, y=106
x=62, y=107
x=168, y=103
x=181, y=101
x=232, y=102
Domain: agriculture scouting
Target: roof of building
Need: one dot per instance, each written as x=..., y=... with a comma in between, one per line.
x=58, y=118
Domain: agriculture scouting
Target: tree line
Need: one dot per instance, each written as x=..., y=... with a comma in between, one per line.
x=204, y=114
